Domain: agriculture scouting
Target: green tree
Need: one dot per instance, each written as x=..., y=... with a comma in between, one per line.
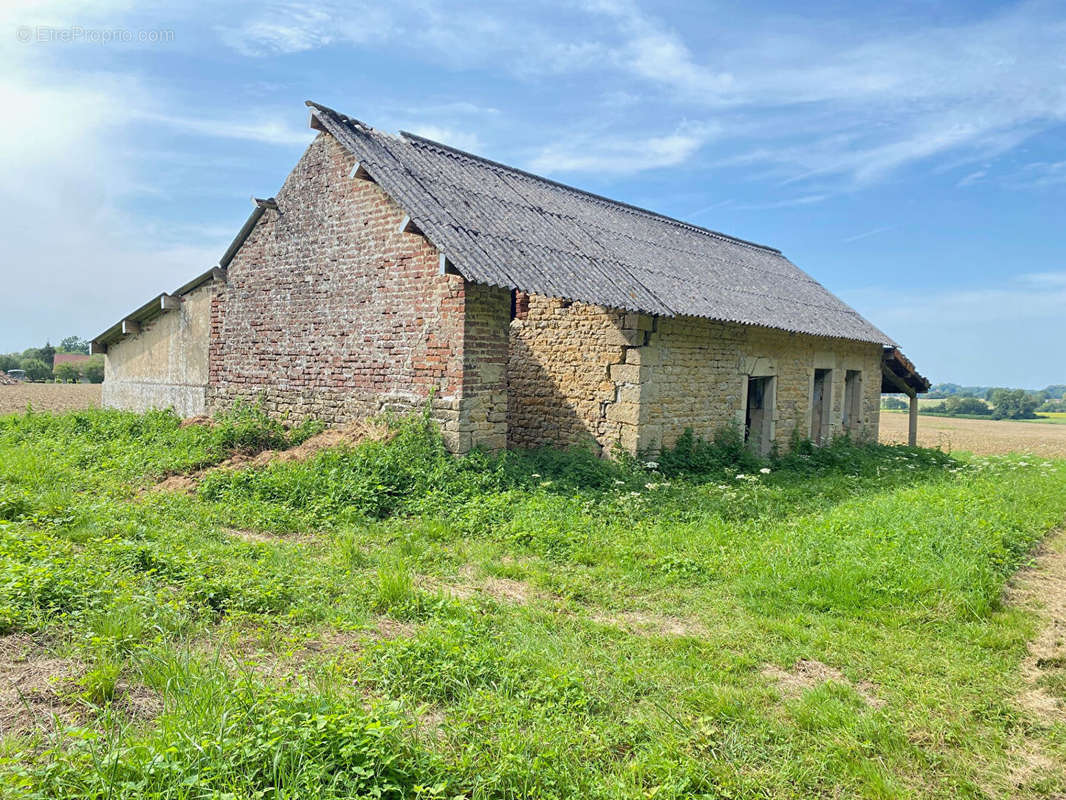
x=67, y=373
x=36, y=369
x=1013, y=404
x=9, y=362
x=894, y=404
x=93, y=370
x=73, y=344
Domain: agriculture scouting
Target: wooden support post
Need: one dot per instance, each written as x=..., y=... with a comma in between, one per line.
x=912, y=428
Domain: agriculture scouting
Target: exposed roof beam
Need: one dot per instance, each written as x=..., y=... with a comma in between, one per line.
x=446, y=266
x=130, y=326
x=896, y=381
x=168, y=302
x=407, y=226
x=359, y=172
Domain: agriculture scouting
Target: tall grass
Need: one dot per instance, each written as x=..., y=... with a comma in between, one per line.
x=385, y=650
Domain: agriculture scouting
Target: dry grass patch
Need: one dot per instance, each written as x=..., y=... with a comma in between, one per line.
x=35, y=686
x=470, y=584
x=808, y=673
x=646, y=623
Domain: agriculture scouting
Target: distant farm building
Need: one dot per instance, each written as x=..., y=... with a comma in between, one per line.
x=74, y=359
x=392, y=270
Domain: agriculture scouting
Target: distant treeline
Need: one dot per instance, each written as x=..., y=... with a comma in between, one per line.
x=988, y=401
x=940, y=391
x=39, y=363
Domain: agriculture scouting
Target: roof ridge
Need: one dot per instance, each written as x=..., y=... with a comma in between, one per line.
x=599, y=197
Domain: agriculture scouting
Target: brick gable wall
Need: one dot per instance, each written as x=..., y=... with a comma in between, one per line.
x=330, y=311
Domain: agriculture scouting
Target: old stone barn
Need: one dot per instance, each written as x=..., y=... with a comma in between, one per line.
x=393, y=269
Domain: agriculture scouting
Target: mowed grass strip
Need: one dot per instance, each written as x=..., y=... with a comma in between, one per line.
x=385, y=620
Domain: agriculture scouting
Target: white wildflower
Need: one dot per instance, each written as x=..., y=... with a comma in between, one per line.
x=765, y=470
x=652, y=464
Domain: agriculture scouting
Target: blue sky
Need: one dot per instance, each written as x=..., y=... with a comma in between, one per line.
x=909, y=155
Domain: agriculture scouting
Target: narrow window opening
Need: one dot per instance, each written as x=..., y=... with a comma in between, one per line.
x=758, y=415
x=852, y=416
x=821, y=403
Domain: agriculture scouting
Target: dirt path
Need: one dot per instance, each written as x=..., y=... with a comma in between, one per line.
x=1042, y=588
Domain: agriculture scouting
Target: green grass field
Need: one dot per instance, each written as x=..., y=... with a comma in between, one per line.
x=1056, y=417
x=386, y=621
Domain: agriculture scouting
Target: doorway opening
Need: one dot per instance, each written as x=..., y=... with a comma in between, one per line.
x=821, y=404
x=852, y=417
x=759, y=414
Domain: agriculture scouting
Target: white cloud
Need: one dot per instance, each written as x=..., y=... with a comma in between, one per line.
x=458, y=139
x=790, y=202
x=261, y=128
x=1041, y=174
x=619, y=154
x=795, y=94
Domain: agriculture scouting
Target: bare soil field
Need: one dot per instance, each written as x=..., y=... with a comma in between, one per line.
x=984, y=437
x=48, y=397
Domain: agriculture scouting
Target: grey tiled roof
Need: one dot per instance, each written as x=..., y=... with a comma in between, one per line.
x=501, y=226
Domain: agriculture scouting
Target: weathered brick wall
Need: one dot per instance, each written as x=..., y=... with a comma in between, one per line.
x=331, y=312
x=166, y=364
x=580, y=373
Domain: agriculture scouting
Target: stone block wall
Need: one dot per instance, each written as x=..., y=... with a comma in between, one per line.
x=331, y=311
x=580, y=373
x=560, y=384
x=697, y=373
x=166, y=364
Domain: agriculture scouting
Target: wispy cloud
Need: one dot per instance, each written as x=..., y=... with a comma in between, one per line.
x=867, y=234
x=463, y=140
x=790, y=202
x=1041, y=174
x=795, y=95
x=260, y=128
x=617, y=154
